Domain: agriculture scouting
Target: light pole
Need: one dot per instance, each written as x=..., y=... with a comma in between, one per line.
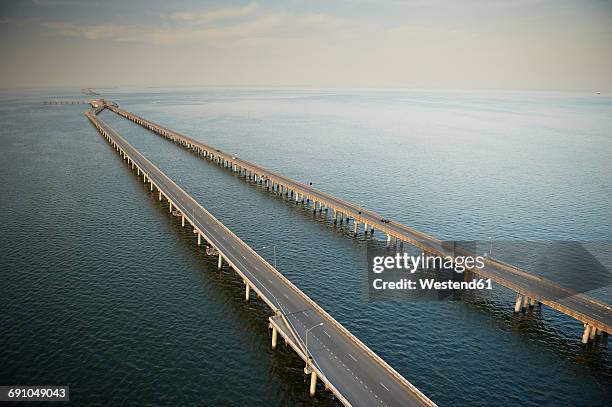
x=308, y=330
x=274, y=251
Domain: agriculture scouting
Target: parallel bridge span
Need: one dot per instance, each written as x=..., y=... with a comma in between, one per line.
x=530, y=289
x=347, y=367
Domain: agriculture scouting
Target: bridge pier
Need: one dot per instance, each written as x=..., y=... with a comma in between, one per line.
x=517, y=305
x=247, y=291
x=170, y=205
x=586, y=334
x=274, y=337
x=199, y=239
x=220, y=262
x=525, y=303
x=182, y=220
x=356, y=227
x=313, y=382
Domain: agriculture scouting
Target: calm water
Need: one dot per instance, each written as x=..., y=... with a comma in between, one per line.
x=103, y=291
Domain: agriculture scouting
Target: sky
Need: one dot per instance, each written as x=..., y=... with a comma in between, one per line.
x=425, y=44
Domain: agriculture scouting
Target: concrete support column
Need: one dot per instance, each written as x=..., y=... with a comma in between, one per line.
x=517, y=304
x=183, y=220
x=586, y=333
x=247, y=291
x=170, y=206
x=159, y=196
x=388, y=239
x=313, y=382
x=335, y=216
x=525, y=302
x=220, y=262
x=356, y=226
x=274, y=337
x=150, y=182
x=365, y=229
x=592, y=333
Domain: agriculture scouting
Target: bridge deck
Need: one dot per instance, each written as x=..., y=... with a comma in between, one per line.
x=355, y=374
x=580, y=306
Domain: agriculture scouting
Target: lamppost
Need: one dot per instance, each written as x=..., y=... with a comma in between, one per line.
x=273, y=250
x=308, y=330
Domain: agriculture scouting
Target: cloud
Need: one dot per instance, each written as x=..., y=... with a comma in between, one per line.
x=201, y=27
x=94, y=32
x=208, y=16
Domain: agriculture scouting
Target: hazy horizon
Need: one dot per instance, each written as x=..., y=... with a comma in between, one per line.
x=478, y=45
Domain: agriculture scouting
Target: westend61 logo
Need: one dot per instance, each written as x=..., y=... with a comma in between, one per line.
x=422, y=276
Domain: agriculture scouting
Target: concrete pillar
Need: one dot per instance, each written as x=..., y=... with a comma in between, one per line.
x=150, y=182
x=220, y=262
x=519, y=301
x=274, y=337
x=313, y=382
x=199, y=239
x=356, y=226
x=586, y=333
x=247, y=291
x=183, y=220
x=365, y=229
x=170, y=206
x=525, y=302
x=592, y=333
x=335, y=216
x=388, y=239
x=159, y=197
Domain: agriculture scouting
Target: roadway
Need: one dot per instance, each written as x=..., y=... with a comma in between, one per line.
x=355, y=374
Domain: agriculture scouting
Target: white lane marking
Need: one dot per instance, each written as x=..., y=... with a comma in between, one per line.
x=328, y=335
x=383, y=385
x=352, y=357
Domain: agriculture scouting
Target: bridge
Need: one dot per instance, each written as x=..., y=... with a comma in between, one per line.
x=347, y=367
x=64, y=102
x=530, y=289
